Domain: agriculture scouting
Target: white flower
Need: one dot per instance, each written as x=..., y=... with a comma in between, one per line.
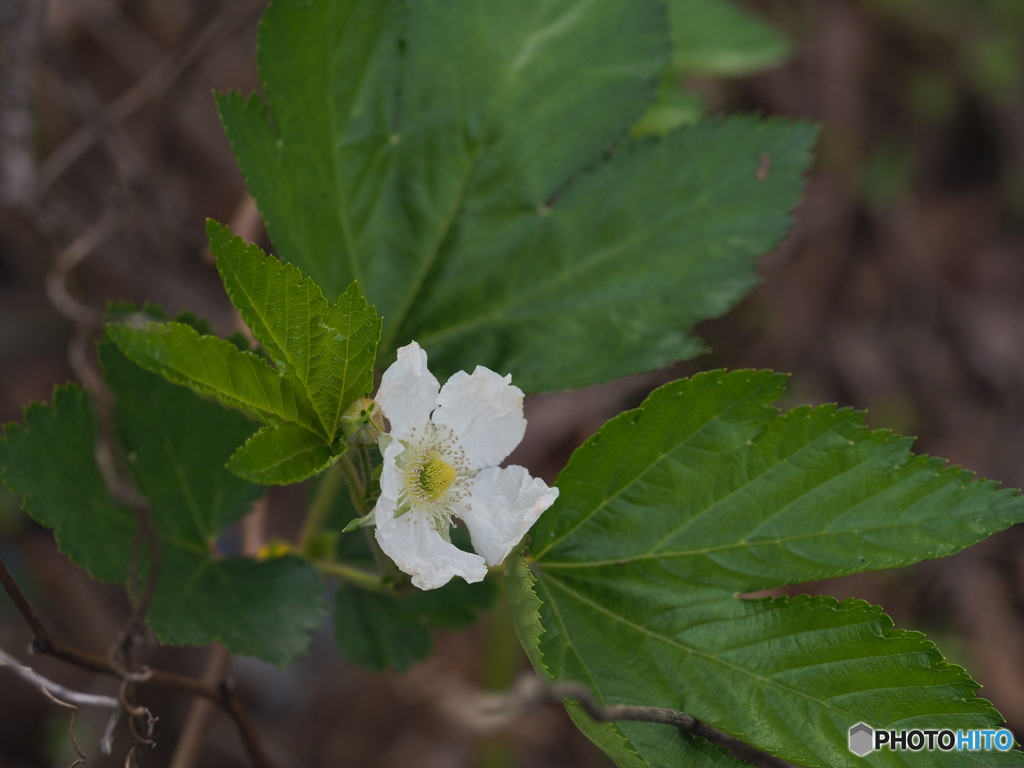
x=440, y=461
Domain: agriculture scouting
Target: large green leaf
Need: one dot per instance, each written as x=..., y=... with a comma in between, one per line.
x=176, y=445
x=613, y=276
x=673, y=748
x=453, y=158
x=265, y=609
x=50, y=461
x=327, y=351
x=706, y=492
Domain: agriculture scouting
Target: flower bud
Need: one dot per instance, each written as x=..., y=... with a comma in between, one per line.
x=362, y=422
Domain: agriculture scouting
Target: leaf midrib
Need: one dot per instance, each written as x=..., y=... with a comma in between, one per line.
x=653, y=553
x=259, y=304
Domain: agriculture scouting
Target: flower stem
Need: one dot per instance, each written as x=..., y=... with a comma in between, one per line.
x=356, y=488
x=352, y=575
x=320, y=508
x=367, y=465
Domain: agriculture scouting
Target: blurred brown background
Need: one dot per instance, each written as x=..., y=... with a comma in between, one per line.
x=900, y=290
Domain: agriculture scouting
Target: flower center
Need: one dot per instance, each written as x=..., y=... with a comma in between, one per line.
x=436, y=477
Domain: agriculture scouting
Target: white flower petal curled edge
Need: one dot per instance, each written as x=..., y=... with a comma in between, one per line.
x=440, y=461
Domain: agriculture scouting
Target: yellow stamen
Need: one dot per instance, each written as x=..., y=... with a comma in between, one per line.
x=436, y=477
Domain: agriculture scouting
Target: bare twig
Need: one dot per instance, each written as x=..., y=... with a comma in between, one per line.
x=56, y=690
x=71, y=727
x=21, y=35
x=225, y=25
x=221, y=693
x=197, y=723
x=66, y=697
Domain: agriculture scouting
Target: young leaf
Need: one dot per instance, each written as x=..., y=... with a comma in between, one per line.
x=281, y=454
x=705, y=492
x=457, y=191
x=713, y=38
x=215, y=368
x=717, y=37
x=328, y=351
x=50, y=461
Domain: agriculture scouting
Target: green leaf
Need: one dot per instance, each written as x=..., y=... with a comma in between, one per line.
x=706, y=492
x=673, y=108
x=717, y=37
x=678, y=222
x=452, y=158
x=265, y=609
x=50, y=461
x=382, y=631
x=328, y=351
x=282, y=454
x=179, y=466
x=176, y=445
x=215, y=368
x=676, y=749
x=710, y=38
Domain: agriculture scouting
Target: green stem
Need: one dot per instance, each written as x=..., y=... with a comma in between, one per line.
x=352, y=575
x=387, y=568
x=320, y=508
x=356, y=489
x=364, y=460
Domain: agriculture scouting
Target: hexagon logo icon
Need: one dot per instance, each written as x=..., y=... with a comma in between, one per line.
x=862, y=739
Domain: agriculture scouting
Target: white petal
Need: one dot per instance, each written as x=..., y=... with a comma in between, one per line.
x=418, y=550
x=390, y=475
x=408, y=392
x=485, y=412
x=501, y=507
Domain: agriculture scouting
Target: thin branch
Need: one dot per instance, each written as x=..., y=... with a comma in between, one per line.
x=42, y=636
x=222, y=693
x=56, y=690
x=229, y=22
x=197, y=723
x=71, y=727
